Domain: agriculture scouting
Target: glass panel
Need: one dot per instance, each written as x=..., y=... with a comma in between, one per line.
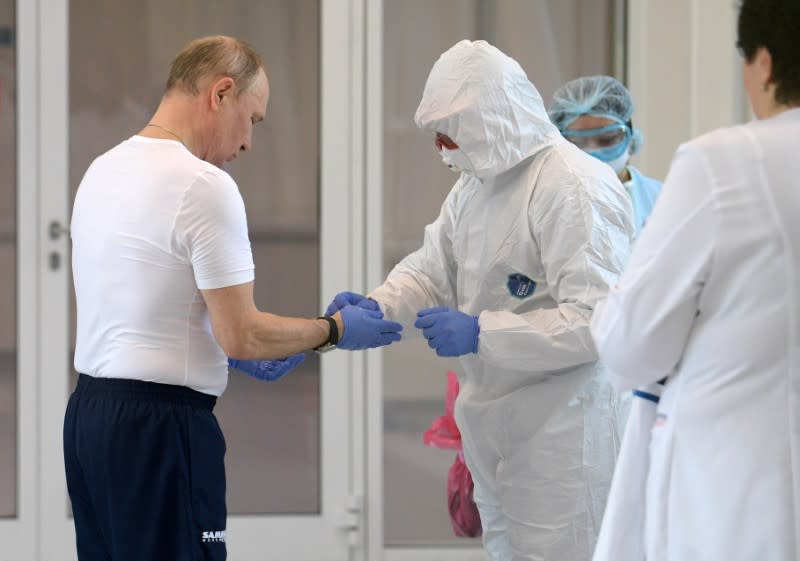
x=8, y=256
x=117, y=72
x=554, y=41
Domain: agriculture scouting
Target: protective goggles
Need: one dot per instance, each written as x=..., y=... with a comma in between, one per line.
x=605, y=143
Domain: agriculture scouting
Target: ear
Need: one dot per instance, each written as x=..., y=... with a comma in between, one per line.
x=221, y=92
x=763, y=62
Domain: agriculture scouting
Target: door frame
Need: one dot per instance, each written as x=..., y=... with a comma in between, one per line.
x=56, y=534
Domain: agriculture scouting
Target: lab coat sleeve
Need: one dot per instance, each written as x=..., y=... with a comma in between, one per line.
x=641, y=329
x=583, y=228
x=425, y=278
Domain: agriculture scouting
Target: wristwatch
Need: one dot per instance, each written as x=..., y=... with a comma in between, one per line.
x=333, y=337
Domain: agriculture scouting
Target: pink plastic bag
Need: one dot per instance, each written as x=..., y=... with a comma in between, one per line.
x=444, y=434
x=463, y=513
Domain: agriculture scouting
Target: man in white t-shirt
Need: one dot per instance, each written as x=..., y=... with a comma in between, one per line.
x=164, y=274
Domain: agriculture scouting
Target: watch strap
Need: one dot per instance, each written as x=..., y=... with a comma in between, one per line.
x=333, y=333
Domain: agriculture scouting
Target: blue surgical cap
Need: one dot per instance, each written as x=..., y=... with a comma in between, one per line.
x=598, y=96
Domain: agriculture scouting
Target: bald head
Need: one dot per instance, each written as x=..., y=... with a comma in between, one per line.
x=214, y=57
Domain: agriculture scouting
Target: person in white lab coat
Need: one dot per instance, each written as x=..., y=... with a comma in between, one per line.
x=533, y=233
x=711, y=298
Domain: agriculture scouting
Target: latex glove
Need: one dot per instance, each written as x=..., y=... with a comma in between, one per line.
x=267, y=370
x=366, y=329
x=350, y=299
x=448, y=331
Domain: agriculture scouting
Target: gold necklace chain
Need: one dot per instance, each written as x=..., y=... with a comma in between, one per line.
x=165, y=129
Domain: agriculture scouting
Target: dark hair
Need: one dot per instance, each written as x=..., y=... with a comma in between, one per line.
x=774, y=25
x=214, y=57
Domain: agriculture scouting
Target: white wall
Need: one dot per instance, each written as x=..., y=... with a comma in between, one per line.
x=683, y=72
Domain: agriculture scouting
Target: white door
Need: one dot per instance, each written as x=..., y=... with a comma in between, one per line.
x=101, y=67
x=18, y=296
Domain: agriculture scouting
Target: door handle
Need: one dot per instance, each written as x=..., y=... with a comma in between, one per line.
x=56, y=229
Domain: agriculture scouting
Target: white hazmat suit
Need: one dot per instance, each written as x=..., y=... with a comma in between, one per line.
x=529, y=238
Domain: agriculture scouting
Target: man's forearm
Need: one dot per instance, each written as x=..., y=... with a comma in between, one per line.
x=269, y=336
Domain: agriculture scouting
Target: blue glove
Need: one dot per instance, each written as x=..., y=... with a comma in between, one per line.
x=267, y=370
x=449, y=332
x=350, y=299
x=366, y=329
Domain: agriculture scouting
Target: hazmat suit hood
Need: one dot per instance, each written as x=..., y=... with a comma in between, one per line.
x=483, y=100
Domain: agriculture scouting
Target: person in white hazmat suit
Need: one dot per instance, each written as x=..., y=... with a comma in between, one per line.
x=711, y=298
x=532, y=234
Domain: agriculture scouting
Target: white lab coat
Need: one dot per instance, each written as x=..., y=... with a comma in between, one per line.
x=711, y=297
x=528, y=244
x=622, y=532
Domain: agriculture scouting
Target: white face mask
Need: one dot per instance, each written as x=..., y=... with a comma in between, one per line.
x=456, y=160
x=618, y=164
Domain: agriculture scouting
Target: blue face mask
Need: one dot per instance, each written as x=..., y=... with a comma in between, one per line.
x=619, y=164
x=611, y=153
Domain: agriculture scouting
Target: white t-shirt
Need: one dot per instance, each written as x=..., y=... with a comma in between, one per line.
x=151, y=226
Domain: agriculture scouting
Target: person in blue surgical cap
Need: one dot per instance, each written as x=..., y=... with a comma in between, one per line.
x=594, y=113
